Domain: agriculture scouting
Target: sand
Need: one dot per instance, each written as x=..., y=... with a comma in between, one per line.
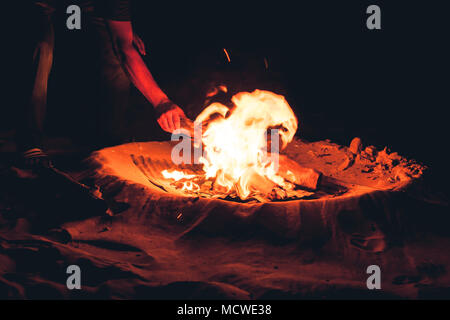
x=159, y=245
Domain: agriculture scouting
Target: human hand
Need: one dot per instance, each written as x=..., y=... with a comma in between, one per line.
x=169, y=116
x=139, y=44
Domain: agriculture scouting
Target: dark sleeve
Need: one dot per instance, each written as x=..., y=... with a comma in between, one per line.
x=118, y=10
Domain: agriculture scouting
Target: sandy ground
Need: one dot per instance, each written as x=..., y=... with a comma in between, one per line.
x=233, y=251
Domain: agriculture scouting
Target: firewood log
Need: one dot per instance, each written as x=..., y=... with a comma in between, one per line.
x=295, y=173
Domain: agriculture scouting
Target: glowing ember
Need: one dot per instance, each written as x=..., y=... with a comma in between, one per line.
x=235, y=159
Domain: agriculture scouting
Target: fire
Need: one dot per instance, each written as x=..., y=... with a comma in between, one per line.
x=176, y=175
x=235, y=158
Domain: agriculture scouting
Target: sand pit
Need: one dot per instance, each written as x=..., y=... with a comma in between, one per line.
x=131, y=173
x=159, y=245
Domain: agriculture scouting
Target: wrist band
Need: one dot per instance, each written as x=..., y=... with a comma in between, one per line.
x=163, y=107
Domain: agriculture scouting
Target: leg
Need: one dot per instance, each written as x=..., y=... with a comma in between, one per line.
x=30, y=129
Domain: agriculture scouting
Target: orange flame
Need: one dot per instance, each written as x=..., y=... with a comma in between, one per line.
x=235, y=145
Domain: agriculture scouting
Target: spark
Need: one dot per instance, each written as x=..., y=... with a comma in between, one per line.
x=226, y=53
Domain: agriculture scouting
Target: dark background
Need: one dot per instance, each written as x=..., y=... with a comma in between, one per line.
x=389, y=86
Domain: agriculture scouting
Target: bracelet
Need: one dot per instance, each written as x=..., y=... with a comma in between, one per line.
x=163, y=107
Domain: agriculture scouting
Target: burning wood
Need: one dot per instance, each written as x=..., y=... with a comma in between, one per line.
x=235, y=161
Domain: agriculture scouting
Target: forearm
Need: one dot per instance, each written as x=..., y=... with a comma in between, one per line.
x=168, y=113
x=141, y=77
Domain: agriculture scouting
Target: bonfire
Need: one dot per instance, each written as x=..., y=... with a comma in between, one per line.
x=239, y=156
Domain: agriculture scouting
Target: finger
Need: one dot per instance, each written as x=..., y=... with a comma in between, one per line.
x=167, y=124
x=164, y=124
x=176, y=120
x=141, y=47
x=139, y=44
x=170, y=121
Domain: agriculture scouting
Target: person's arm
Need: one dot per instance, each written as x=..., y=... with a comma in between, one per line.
x=169, y=114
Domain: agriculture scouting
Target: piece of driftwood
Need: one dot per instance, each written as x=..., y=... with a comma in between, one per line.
x=293, y=172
